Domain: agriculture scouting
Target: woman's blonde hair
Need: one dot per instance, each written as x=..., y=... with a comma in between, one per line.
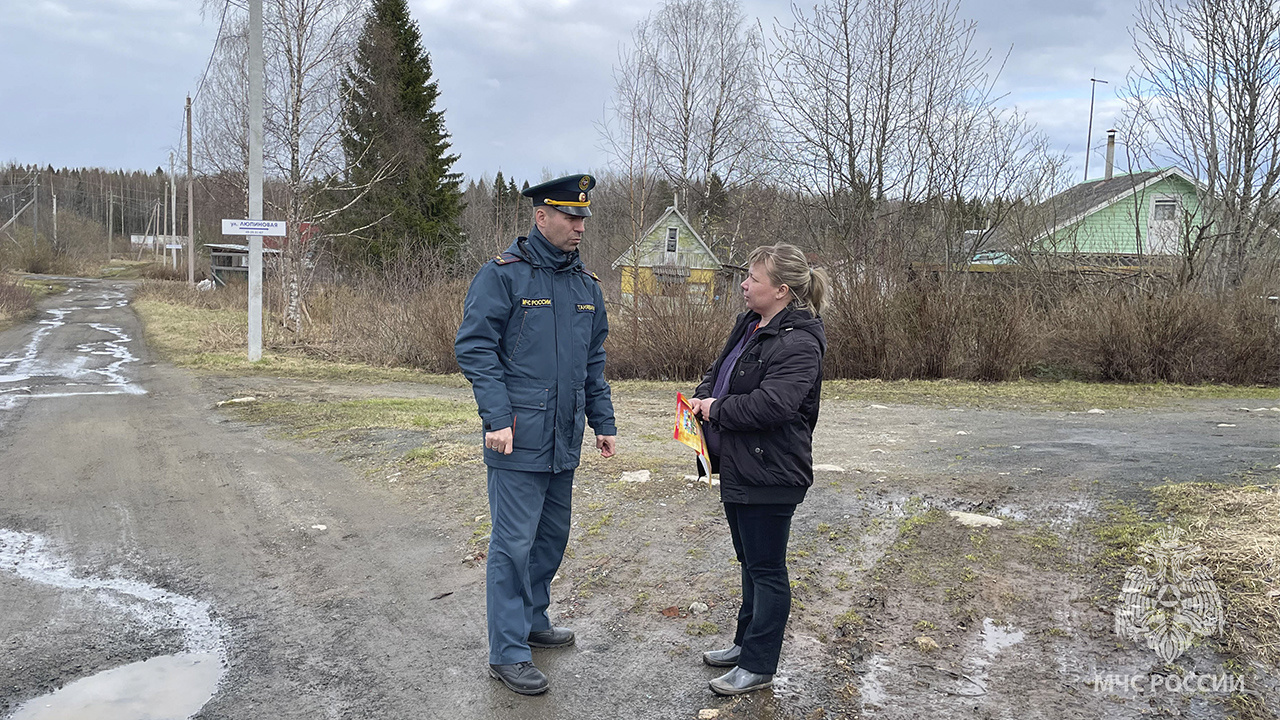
x=787, y=265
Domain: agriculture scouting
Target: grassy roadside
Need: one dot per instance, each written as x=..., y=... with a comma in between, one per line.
x=213, y=340
x=18, y=297
x=1034, y=395
x=1067, y=395
x=1237, y=529
x=311, y=419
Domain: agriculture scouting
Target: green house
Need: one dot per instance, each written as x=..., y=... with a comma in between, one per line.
x=672, y=259
x=1125, y=216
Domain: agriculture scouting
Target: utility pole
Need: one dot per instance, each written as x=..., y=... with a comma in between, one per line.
x=111, y=208
x=162, y=220
x=1093, y=85
x=256, y=78
x=173, y=211
x=55, y=222
x=35, y=223
x=191, y=206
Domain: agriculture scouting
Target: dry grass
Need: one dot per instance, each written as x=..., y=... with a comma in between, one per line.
x=16, y=302
x=1238, y=531
x=310, y=419
x=1030, y=394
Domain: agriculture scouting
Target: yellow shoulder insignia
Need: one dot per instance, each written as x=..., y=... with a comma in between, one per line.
x=507, y=258
x=591, y=274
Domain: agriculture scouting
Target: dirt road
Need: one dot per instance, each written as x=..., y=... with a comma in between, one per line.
x=137, y=521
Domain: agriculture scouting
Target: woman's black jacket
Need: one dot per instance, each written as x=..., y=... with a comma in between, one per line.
x=767, y=415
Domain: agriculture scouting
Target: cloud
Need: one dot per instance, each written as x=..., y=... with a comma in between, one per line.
x=103, y=81
x=523, y=82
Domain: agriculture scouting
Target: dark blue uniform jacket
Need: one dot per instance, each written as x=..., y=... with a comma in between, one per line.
x=532, y=345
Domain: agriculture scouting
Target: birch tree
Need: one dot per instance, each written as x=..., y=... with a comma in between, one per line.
x=691, y=77
x=307, y=45
x=1206, y=98
x=886, y=120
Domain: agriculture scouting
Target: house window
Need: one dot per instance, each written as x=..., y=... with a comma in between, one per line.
x=1165, y=211
x=672, y=235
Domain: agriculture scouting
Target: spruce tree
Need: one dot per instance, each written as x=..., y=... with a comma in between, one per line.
x=392, y=127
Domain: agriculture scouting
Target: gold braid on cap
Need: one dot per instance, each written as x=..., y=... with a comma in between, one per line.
x=566, y=203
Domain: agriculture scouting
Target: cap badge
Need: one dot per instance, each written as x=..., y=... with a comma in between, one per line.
x=583, y=183
x=582, y=197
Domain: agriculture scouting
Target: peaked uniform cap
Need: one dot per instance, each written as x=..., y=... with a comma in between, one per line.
x=570, y=194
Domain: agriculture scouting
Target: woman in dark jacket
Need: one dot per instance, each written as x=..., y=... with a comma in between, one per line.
x=759, y=402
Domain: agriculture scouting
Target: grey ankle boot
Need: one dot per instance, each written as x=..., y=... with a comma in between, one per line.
x=738, y=681
x=722, y=658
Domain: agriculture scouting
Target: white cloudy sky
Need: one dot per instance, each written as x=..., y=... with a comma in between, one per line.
x=523, y=82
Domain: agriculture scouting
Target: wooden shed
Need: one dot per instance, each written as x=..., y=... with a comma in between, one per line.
x=672, y=259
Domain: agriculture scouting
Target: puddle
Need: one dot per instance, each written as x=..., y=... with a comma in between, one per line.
x=993, y=638
x=85, y=364
x=162, y=688
x=996, y=638
x=1061, y=514
x=173, y=686
x=872, y=690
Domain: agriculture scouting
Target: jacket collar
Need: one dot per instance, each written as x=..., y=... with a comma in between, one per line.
x=538, y=251
x=789, y=318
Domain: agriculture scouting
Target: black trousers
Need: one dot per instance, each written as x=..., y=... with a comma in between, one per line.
x=760, y=534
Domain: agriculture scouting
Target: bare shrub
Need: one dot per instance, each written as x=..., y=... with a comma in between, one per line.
x=987, y=330
x=163, y=271
x=406, y=317
x=666, y=337
x=15, y=300
x=1253, y=352
x=1178, y=336
x=1127, y=337
x=1003, y=336
x=857, y=328
x=930, y=330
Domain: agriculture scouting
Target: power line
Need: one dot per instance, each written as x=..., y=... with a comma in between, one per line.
x=222, y=23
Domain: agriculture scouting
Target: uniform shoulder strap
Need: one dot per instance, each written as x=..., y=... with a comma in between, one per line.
x=507, y=258
x=589, y=274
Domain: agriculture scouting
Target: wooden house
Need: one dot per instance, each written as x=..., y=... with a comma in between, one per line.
x=670, y=259
x=1122, y=216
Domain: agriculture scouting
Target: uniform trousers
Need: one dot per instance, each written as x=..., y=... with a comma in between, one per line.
x=760, y=534
x=529, y=512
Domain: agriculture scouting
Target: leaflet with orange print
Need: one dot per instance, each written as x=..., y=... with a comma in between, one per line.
x=689, y=432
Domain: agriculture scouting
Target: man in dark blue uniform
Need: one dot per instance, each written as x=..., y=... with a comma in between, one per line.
x=532, y=345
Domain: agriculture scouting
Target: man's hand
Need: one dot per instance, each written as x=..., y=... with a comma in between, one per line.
x=606, y=444
x=499, y=440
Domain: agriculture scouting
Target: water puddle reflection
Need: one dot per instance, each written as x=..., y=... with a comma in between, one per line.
x=167, y=687
x=161, y=688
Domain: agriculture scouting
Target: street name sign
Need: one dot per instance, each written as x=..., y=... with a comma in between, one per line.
x=265, y=228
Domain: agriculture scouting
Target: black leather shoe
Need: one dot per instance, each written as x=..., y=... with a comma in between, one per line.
x=738, y=681
x=723, y=658
x=521, y=677
x=555, y=637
